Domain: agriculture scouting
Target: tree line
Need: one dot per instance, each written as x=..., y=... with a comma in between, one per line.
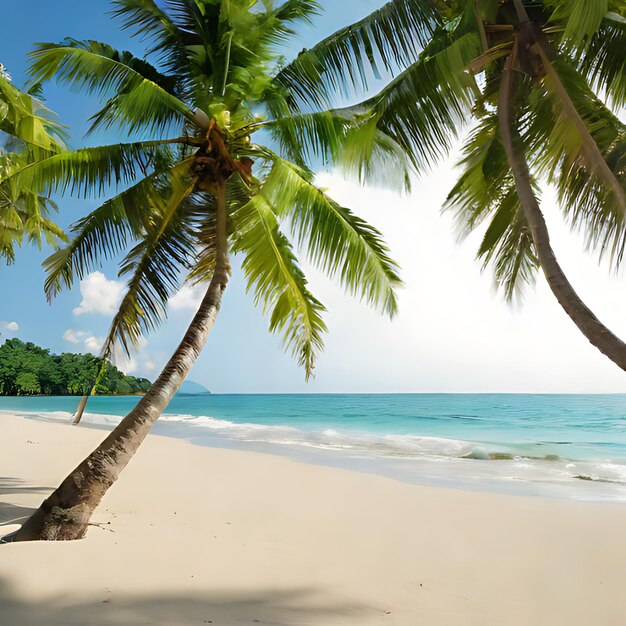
x=28, y=370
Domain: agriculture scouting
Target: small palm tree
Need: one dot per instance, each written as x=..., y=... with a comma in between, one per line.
x=27, y=133
x=539, y=84
x=201, y=189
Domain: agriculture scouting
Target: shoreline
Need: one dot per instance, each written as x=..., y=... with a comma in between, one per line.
x=517, y=476
x=192, y=534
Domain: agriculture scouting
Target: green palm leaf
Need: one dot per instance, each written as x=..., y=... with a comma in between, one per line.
x=139, y=102
x=390, y=36
x=237, y=195
x=90, y=171
x=337, y=241
x=603, y=62
x=278, y=284
x=107, y=230
x=424, y=108
x=508, y=246
x=346, y=139
x=592, y=192
x=150, y=23
x=581, y=18
x=25, y=118
x=485, y=193
x=28, y=134
x=153, y=265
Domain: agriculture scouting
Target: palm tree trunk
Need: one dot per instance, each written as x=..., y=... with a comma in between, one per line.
x=66, y=513
x=590, y=326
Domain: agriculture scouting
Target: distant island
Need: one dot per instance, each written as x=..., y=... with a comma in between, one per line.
x=191, y=388
x=28, y=370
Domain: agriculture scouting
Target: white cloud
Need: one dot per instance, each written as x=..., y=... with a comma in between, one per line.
x=94, y=344
x=187, y=297
x=73, y=336
x=100, y=295
x=13, y=326
x=149, y=365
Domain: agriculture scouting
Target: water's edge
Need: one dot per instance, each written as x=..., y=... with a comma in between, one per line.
x=514, y=468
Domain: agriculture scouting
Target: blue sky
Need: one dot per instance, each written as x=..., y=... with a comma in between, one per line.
x=453, y=332
x=241, y=334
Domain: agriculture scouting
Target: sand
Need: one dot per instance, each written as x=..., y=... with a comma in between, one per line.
x=195, y=535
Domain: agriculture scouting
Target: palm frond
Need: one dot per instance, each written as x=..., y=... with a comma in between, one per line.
x=278, y=284
x=26, y=119
x=296, y=11
x=206, y=237
x=154, y=265
x=425, y=106
x=589, y=208
x=337, y=240
x=308, y=136
x=90, y=171
x=107, y=230
x=485, y=193
x=508, y=246
x=571, y=146
x=391, y=37
x=29, y=133
x=375, y=157
x=238, y=193
x=146, y=20
x=603, y=62
x=581, y=18
x=485, y=171
x=37, y=226
x=137, y=101
x=24, y=215
x=344, y=139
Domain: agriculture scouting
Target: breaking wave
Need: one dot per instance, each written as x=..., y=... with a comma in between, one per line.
x=433, y=457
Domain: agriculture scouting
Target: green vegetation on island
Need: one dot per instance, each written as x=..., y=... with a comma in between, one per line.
x=28, y=370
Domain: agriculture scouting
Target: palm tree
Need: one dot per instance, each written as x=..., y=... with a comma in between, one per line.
x=538, y=83
x=529, y=50
x=27, y=133
x=201, y=189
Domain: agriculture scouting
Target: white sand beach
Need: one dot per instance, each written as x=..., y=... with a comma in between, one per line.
x=196, y=535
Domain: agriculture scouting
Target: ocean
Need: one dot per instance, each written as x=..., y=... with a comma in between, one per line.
x=564, y=446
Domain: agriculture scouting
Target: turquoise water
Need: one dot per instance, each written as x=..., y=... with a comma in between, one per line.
x=571, y=444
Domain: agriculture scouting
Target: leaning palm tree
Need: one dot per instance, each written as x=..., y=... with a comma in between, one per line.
x=538, y=85
x=28, y=133
x=197, y=187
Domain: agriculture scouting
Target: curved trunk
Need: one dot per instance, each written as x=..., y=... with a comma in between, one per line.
x=590, y=326
x=65, y=514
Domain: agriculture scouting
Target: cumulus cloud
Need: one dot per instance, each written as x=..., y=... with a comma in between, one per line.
x=94, y=344
x=90, y=342
x=187, y=297
x=10, y=327
x=74, y=336
x=100, y=295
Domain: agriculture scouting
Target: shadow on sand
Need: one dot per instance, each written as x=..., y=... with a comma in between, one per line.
x=13, y=513
x=272, y=607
